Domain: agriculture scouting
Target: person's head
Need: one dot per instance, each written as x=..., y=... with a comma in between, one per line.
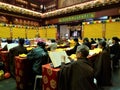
x=92, y=39
x=76, y=40
x=102, y=44
x=41, y=44
x=115, y=39
x=82, y=51
x=53, y=40
x=9, y=40
x=21, y=41
x=86, y=40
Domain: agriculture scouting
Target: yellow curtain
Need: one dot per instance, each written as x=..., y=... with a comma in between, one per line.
x=93, y=30
x=31, y=33
x=48, y=33
x=4, y=32
x=43, y=33
x=51, y=33
x=112, y=29
x=18, y=32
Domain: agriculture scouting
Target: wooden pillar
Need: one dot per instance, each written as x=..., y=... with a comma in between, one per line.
x=58, y=32
x=103, y=30
x=82, y=32
x=26, y=33
x=11, y=32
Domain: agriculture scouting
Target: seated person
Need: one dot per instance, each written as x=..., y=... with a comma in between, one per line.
x=9, y=40
x=92, y=41
x=27, y=42
x=102, y=66
x=86, y=42
x=73, y=50
x=37, y=57
x=115, y=52
x=15, y=51
x=52, y=46
x=77, y=75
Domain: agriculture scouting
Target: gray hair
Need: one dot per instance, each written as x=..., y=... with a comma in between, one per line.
x=83, y=49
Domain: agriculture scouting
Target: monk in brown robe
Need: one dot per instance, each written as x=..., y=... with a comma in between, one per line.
x=15, y=51
x=77, y=75
x=103, y=66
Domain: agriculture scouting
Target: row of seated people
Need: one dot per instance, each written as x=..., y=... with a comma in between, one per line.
x=38, y=55
x=53, y=45
x=78, y=75
x=102, y=65
x=114, y=48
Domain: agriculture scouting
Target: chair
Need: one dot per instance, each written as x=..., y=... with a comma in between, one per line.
x=37, y=77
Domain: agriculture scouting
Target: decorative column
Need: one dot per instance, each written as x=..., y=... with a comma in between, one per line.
x=103, y=30
x=26, y=32
x=58, y=32
x=37, y=30
x=82, y=32
x=45, y=32
x=11, y=33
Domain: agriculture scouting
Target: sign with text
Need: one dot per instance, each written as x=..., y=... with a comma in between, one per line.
x=77, y=17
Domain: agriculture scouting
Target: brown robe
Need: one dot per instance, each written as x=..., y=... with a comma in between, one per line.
x=77, y=76
x=15, y=51
x=103, y=68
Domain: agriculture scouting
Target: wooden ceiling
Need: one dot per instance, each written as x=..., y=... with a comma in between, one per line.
x=42, y=1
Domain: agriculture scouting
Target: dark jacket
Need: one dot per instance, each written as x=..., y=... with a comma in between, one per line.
x=18, y=50
x=115, y=51
x=15, y=51
x=72, y=51
x=103, y=68
x=38, y=56
x=77, y=76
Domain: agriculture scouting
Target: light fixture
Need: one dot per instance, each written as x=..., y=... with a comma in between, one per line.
x=43, y=8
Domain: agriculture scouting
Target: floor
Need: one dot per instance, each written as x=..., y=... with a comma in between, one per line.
x=10, y=84
x=115, y=81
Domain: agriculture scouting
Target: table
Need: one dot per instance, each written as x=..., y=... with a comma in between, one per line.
x=50, y=77
x=23, y=73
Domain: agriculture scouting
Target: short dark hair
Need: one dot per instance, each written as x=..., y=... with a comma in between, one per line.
x=9, y=40
x=21, y=41
x=116, y=39
x=102, y=43
x=76, y=39
x=42, y=44
x=53, y=40
x=86, y=39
